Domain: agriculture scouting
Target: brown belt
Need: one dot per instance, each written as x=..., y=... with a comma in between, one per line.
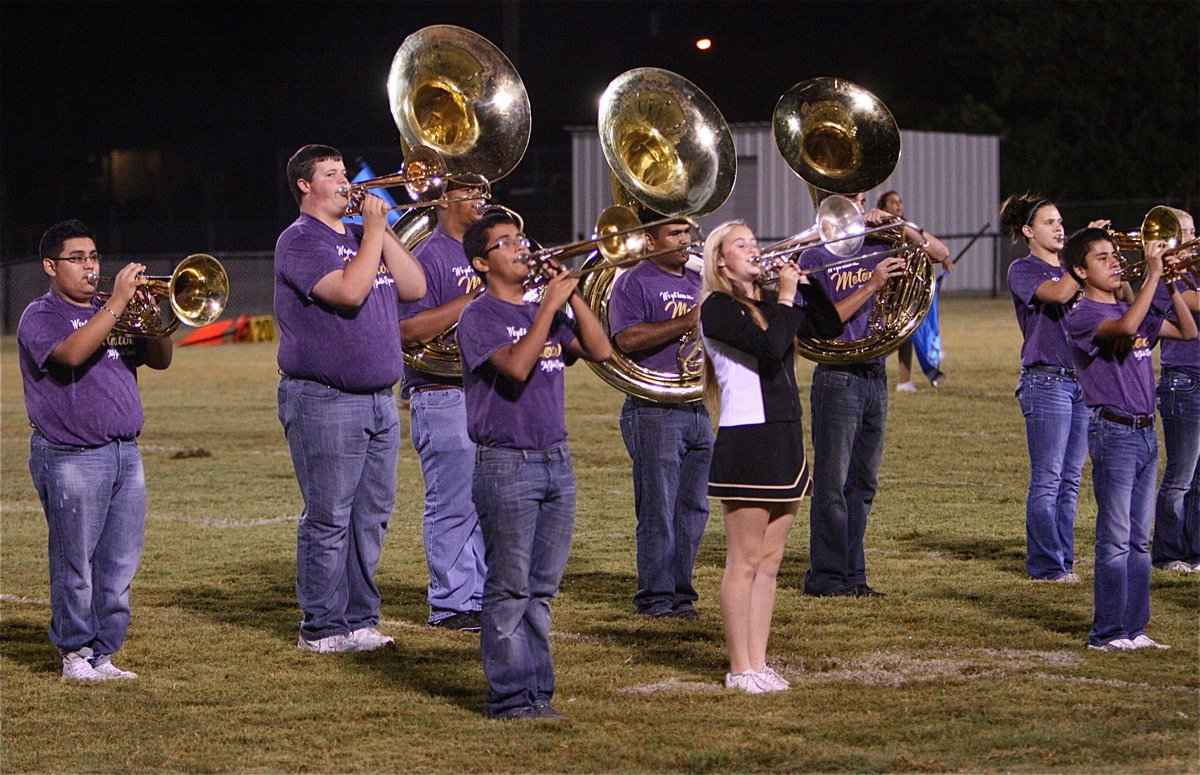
x=1135, y=420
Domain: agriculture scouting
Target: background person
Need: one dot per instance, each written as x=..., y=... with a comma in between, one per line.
x=759, y=471
x=927, y=339
x=1176, y=544
x=849, y=408
x=81, y=394
x=513, y=354
x=651, y=307
x=1112, y=344
x=336, y=290
x=450, y=527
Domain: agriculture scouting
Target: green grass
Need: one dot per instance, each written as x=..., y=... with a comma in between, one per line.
x=965, y=665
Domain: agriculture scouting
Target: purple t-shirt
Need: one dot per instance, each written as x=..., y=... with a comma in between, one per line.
x=501, y=412
x=448, y=275
x=650, y=294
x=353, y=350
x=1176, y=353
x=1041, y=323
x=88, y=406
x=841, y=282
x=1114, y=373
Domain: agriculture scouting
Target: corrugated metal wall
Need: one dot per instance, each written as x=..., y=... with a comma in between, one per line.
x=950, y=184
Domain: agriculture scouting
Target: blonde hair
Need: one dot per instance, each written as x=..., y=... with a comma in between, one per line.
x=714, y=280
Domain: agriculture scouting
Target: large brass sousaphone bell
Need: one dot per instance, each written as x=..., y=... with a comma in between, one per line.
x=671, y=153
x=840, y=138
x=452, y=90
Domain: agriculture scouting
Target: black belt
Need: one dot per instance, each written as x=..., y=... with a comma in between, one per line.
x=867, y=370
x=1059, y=371
x=1133, y=420
x=430, y=388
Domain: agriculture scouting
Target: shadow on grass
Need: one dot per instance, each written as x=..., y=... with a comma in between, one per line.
x=25, y=641
x=1004, y=555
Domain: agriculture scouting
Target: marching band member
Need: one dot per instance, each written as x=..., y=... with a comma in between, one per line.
x=650, y=308
x=929, y=332
x=1176, y=544
x=1111, y=343
x=1052, y=400
x=849, y=407
x=81, y=393
x=336, y=291
x=450, y=527
x=759, y=471
x=513, y=355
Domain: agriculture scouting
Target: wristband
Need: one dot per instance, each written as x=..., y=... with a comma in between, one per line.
x=106, y=308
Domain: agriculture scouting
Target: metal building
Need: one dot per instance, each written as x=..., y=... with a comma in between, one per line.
x=950, y=184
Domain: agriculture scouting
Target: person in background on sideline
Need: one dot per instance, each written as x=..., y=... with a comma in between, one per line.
x=759, y=471
x=1111, y=343
x=81, y=393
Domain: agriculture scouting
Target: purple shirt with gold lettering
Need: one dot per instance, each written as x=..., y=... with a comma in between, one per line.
x=356, y=350
x=650, y=294
x=502, y=412
x=1115, y=374
x=88, y=406
x=844, y=280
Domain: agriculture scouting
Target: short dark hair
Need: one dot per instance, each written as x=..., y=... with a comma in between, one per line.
x=478, y=234
x=882, y=204
x=1074, y=253
x=304, y=161
x=52, y=241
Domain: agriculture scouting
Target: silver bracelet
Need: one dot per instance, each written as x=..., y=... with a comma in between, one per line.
x=106, y=308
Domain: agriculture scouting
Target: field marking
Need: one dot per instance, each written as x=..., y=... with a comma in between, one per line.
x=18, y=600
x=222, y=523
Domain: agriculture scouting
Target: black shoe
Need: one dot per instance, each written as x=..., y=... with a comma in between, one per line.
x=464, y=621
x=686, y=612
x=862, y=590
x=528, y=712
x=937, y=378
x=547, y=713
x=839, y=592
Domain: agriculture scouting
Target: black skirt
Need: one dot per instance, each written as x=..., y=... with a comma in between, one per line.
x=760, y=463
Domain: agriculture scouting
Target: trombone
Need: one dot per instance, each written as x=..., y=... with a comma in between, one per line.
x=196, y=292
x=425, y=177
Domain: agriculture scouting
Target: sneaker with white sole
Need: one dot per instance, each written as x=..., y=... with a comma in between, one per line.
x=1070, y=577
x=104, y=666
x=1144, y=641
x=773, y=680
x=747, y=682
x=1116, y=644
x=370, y=639
x=76, y=667
x=906, y=387
x=1179, y=566
x=329, y=645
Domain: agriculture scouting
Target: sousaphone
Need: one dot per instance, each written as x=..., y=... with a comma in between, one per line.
x=671, y=153
x=841, y=138
x=454, y=91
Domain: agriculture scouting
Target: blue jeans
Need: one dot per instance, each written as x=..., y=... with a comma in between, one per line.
x=344, y=449
x=95, y=505
x=526, y=504
x=1124, y=468
x=453, y=539
x=849, y=414
x=1056, y=423
x=671, y=448
x=1177, y=513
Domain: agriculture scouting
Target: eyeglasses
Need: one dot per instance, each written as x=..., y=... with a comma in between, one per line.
x=518, y=241
x=79, y=259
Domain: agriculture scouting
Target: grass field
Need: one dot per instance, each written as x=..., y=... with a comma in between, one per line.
x=964, y=666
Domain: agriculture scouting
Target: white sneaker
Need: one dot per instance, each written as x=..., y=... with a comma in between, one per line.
x=773, y=680
x=77, y=668
x=1179, y=566
x=747, y=682
x=369, y=639
x=1144, y=641
x=331, y=644
x=906, y=387
x=105, y=667
x=1116, y=644
x=1067, y=578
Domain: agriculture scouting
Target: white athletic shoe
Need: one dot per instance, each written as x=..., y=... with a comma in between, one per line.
x=369, y=639
x=747, y=682
x=1179, y=566
x=1144, y=641
x=329, y=645
x=906, y=387
x=774, y=681
x=1116, y=644
x=76, y=667
x=105, y=667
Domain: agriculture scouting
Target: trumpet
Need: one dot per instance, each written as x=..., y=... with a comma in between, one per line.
x=196, y=294
x=1160, y=223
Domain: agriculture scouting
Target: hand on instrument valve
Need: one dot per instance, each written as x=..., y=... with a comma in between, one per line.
x=877, y=217
x=126, y=285
x=374, y=213
x=561, y=285
x=789, y=278
x=885, y=270
x=1154, y=257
